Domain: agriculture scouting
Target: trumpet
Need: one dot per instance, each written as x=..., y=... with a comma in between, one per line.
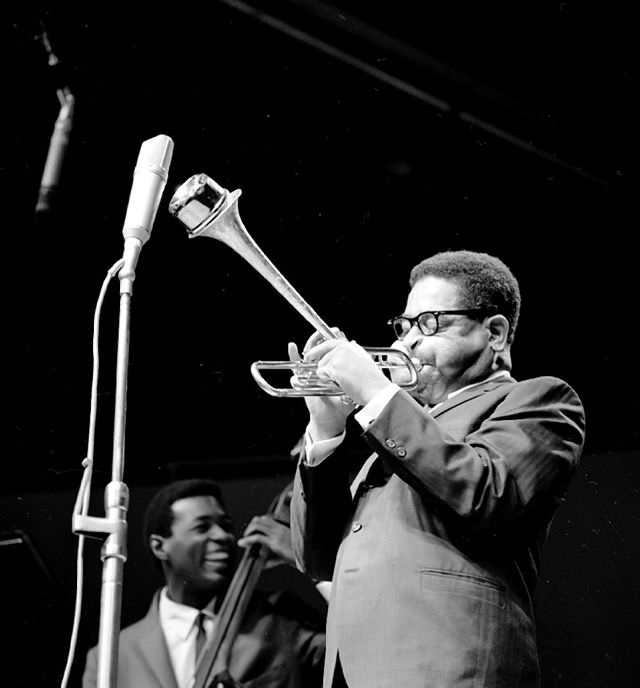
x=208, y=209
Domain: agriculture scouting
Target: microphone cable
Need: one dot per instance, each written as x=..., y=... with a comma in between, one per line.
x=82, y=500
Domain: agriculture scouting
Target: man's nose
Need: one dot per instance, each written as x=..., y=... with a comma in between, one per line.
x=219, y=534
x=413, y=337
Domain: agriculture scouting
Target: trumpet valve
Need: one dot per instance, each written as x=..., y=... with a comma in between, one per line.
x=305, y=371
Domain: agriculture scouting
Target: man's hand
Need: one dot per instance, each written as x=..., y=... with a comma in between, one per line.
x=224, y=680
x=275, y=536
x=351, y=367
x=327, y=414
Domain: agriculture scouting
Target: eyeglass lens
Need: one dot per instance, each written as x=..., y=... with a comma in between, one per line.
x=427, y=322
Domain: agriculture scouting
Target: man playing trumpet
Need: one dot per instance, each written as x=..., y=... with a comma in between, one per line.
x=434, y=550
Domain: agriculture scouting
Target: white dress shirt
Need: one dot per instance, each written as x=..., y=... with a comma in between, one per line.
x=178, y=623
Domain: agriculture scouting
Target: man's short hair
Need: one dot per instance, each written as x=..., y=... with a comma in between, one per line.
x=484, y=281
x=158, y=517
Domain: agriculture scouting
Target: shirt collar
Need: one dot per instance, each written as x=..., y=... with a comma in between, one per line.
x=493, y=376
x=182, y=617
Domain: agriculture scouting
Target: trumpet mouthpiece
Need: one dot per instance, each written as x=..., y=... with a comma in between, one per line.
x=197, y=201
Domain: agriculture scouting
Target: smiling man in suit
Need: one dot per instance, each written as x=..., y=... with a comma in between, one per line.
x=434, y=549
x=280, y=643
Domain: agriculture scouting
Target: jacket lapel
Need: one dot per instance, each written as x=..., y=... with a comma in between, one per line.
x=152, y=647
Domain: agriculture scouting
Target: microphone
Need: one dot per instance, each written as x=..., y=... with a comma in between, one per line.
x=61, y=129
x=57, y=150
x=149, y=179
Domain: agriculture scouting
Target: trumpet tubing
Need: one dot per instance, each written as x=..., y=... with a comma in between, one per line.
x=307, y=382
x=207, y=209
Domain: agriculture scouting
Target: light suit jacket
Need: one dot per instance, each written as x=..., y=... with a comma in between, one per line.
x=274, y=649
x=434, y=552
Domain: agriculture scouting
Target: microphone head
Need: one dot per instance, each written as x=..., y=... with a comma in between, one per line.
x=197, y=202
x=155, y=155
x=149, y=179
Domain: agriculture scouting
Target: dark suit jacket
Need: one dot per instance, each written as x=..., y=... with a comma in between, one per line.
x=434, y=553
x=274, y=649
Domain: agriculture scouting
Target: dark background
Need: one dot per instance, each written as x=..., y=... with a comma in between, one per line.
x=364, y=136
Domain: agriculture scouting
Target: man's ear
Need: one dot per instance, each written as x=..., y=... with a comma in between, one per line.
x=157, y=546
x=498, y=327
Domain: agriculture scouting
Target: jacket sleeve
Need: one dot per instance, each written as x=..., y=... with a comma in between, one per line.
x=321, y=506
x=523, y=452
x=89, y=678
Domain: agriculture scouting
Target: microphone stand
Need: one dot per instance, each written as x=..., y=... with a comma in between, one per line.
x=114, y=525
x=149, y=179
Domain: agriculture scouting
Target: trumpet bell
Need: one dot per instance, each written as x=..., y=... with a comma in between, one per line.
x=208, y=209
x=198, y=202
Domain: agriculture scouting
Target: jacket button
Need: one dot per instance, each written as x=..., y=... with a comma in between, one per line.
x=356, y=527
x=390, y=443
x=402, y=452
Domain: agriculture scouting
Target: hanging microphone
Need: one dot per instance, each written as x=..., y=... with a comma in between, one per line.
x=149, y=179
x=57, y=150
x=61, y=130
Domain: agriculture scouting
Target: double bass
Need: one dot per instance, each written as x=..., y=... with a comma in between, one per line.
x=211, y=667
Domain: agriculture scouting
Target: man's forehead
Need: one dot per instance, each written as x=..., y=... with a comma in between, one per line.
x=200, y=506
x=433, y=293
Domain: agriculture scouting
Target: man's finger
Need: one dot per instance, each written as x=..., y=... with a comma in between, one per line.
x=292, y=350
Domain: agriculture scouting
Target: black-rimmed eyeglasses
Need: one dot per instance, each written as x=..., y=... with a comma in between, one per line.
x=428, y=322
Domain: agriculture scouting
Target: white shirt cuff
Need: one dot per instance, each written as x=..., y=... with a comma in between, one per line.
x=368, y=413
x=317, y=451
